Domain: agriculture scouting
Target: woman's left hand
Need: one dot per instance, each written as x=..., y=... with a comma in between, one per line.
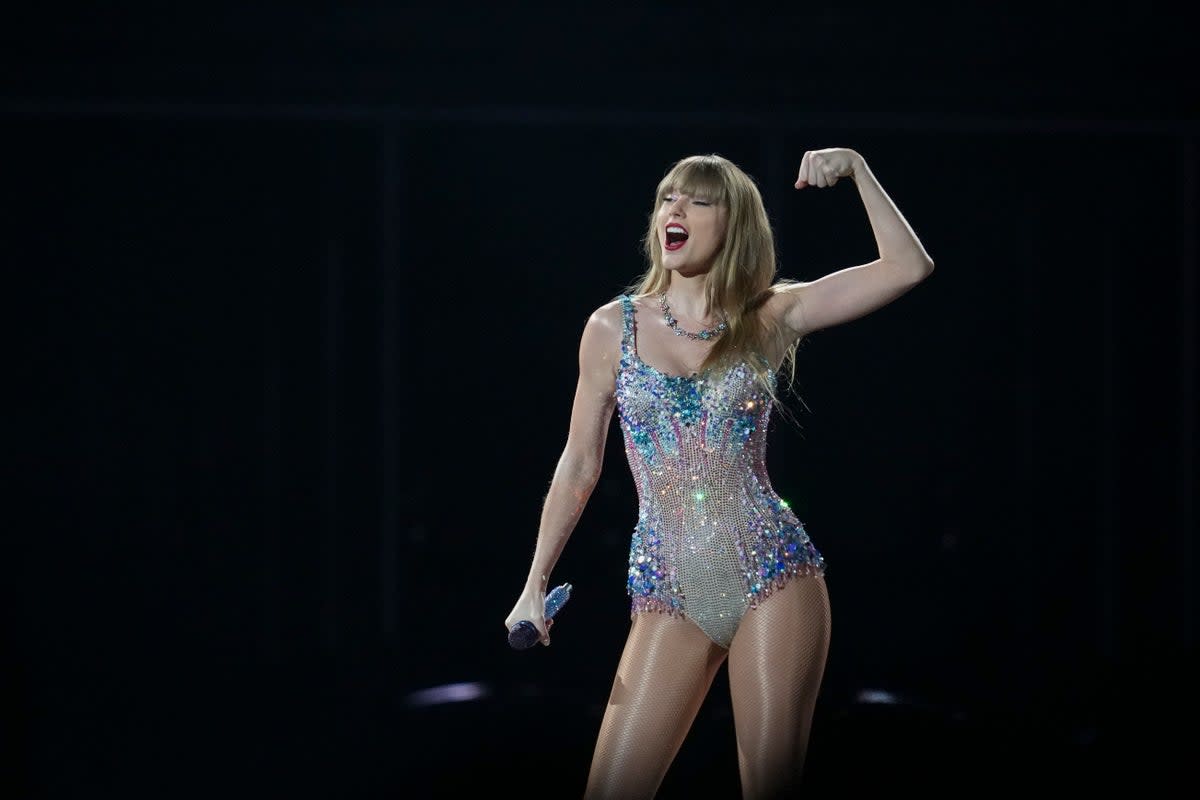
x=822, y=168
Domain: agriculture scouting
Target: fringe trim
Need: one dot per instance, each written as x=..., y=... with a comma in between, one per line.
x=802, y=570
x=650, y=603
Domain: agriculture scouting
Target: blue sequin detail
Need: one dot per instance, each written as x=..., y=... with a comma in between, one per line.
x=713, y=538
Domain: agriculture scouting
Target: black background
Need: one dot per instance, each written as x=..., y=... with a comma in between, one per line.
x=296, y=296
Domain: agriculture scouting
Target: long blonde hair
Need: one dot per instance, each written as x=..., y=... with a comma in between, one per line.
x=742, y=277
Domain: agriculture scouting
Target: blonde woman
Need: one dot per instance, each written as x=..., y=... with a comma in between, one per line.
x=720, y=569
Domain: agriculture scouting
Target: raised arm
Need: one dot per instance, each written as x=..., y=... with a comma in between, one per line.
x=856, y=291
x=582, y=458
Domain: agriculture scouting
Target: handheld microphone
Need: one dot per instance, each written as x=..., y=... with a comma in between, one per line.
x=524, y=634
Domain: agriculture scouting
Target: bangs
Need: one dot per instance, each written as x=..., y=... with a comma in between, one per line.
x=697, y=177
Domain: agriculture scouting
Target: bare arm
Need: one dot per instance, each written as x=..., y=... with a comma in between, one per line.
x=856, y=291
x=579, y=466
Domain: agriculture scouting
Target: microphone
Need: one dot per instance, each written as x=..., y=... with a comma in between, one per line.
x=524, y=634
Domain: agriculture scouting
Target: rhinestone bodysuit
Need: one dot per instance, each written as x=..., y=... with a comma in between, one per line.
x=712, y=537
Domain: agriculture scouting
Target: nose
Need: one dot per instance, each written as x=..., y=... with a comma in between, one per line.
x=676, y=207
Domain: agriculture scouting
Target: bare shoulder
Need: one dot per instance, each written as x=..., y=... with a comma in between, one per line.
x=600, y=344
x=606, y=321
x=611, y=309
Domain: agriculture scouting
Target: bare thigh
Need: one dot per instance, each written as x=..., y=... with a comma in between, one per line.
x=665, y=672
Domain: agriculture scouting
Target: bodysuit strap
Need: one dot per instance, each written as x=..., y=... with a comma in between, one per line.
x=627, y=331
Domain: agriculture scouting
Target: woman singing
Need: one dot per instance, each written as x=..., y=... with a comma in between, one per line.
x=720, y=568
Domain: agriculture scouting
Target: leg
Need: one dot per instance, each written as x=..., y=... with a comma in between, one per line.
x=776, y=662
x=664, y=675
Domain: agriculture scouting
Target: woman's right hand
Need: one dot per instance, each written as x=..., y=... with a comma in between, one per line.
x=531, y=606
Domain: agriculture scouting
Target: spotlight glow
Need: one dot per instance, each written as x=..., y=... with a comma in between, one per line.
x=447, y=693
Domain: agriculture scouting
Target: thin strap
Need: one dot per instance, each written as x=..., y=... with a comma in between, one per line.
x=627, y=333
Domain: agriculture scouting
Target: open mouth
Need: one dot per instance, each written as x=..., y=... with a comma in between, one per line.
x=677, y=237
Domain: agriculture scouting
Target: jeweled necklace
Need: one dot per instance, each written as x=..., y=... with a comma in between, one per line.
x=707, y=333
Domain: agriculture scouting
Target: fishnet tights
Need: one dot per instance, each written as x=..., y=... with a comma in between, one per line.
x=776, y=661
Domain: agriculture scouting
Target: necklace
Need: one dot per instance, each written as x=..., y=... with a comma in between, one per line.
x=707, y=333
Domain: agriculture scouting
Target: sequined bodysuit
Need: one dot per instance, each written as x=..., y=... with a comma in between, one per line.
x=712, y=537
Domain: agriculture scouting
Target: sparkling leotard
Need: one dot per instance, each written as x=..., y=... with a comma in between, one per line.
x=712, y=537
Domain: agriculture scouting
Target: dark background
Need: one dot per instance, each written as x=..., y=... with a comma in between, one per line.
x=295, y=299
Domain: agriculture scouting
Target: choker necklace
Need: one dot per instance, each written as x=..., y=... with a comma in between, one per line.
x=707, y=333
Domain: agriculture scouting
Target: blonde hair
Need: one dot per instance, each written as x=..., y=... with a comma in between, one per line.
x=742, y=277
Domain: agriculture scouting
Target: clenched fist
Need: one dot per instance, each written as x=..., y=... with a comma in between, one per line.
x=822, y=168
